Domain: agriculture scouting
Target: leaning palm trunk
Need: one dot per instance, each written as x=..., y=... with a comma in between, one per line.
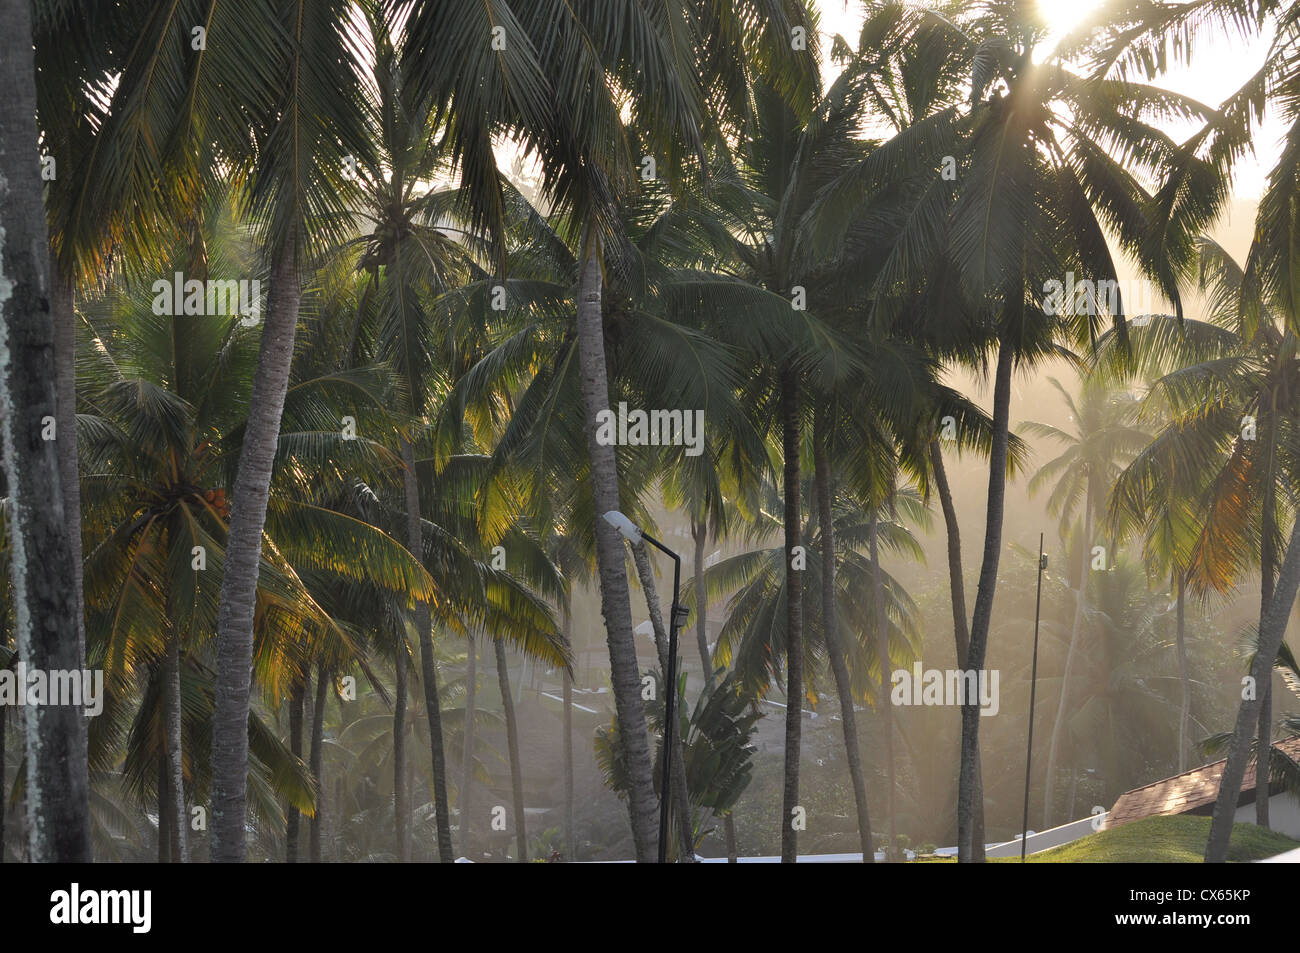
x=1063, y=702
x=615, y=597
x=428, y=670
x=834, y=650
x=41, y=554
x=401, y=813
x=967, y=787
x=699, y=534
x=293, y=822
x=882, y=652
x=960, y=631
x=467, y=760
x=512, y=742
x=1267, y=566
x=1270, y=638
x=676, y=785
x=172, y=747
x=1183, y=676
x=249, y=498
x=570, y=844
x=317, y=759
x=791, y=443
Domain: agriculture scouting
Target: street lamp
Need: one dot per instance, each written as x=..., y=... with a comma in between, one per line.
x=634, y=534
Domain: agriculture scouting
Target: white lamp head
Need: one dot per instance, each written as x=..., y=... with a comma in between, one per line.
x=624, y=525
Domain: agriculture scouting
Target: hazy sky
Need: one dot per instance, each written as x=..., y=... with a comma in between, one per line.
x=1221, y=67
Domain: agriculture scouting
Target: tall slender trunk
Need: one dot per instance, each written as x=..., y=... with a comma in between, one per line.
x=293, y=824
x=172, y=747
x=1267, y=567
x=317, y=759
x=1063, y=701
x=729, y=831
x=615, y=597
x=4, y=787
x=164, y=814
x=512, y=742
x=401, y=813
x=65, y=386
x=968, y=787
x=791, y=444
x=1270, y=637
x=1186, y=709
x=822, y=480
x=882, y=652
x=41, y=552
x=960, y=628
x=700, y=536
x=570, y=842
x=467, y=760
x=428, y=668
x=681, y=800
x=234, y=665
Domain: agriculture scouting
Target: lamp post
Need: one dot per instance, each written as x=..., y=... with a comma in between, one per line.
x=1033, y=688
x=678, y=613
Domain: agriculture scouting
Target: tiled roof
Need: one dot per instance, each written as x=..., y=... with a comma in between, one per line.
x=1185, y=793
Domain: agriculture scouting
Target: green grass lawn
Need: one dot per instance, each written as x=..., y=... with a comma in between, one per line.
x=1179, y=839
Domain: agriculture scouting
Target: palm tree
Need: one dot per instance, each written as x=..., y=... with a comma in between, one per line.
x=1105, y=438
x=41, y=551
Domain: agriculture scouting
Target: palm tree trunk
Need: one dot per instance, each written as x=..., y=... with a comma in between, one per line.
x=173, y=752
x=1185, y=712
x=317, y=759
x=293, y=824
x=967, y=788
x=729, y=831
x=4, y=788
x=960, y=628
x=700, y=534
x=428, y=669
x=164, y=814
x=243, y=559
x=467, y=759
x=882, y=652
x=570, y=843
x=1267, y=567
x=401, y=813
x=615, y=597
x=1270, y=638
x=834, y=650
x=1062, y=704
x=512, y=741
x=791, y=444
x=41, y=553
x=677, y=783
x=65, y=386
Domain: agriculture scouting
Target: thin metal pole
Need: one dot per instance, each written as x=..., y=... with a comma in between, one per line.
x=1033, y=689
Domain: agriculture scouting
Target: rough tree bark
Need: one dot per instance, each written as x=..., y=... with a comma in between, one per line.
x=791, y=444
x=823, y=481
x=41, y=553
x=234, y=664
x=615, y=597
x=512, y=741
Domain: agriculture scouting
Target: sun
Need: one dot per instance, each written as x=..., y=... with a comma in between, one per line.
x=1062, y=15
